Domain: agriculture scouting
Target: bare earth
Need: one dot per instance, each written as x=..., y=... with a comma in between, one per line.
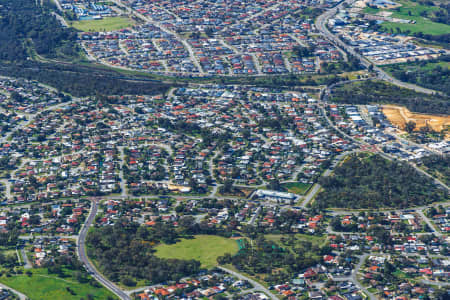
x=398, y=116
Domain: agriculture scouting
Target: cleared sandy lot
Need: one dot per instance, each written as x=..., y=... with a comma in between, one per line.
x=398, y=116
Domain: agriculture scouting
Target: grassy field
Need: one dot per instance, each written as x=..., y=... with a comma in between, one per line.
x=8, y=251
x=411, y=11
x=421, y=25
x=42, y=285
x=298, y=188
x=106, y=24
x=204, y=248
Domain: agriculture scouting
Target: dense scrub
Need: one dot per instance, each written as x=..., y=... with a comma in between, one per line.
x=366, y=92
x=29, y=31
x=439, y=166
x=373, y=182
x=26, y=24
x=125, y=253
x=82, y=80
x=433, y=74
x=263, y=256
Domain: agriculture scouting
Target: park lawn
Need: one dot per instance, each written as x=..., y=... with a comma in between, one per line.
x=204, y=248
x=422, y=25
x=411, y=11
x=298, y=188
x=42, y=285
x=105, y=24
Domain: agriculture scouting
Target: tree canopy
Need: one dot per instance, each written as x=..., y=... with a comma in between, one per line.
x=373, y=181
x=125, y=253
x=375, y=91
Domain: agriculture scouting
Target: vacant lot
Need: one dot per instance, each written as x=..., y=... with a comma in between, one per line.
x=42, y=285
x=204, y=248
x=398, y=116
x=106, y=24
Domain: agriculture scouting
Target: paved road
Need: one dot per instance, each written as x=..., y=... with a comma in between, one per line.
x=123, y=187
x=321, y=22
x=215, y=187
x=29, y=237
x=389, y=157
x=26, y=261
x=438, y=283
x=253, y=219
x=436, y=181
x=316, y=188
x=342, y=212
x=81, y=252
x=312, y=193
x=354, y=279
x=355, y=271
x=58, y=5
x=23, y=124
x=141, y=289
x=258, y=286
x=425, y=218
x=60, y=19
x=165, y=29
x=21, y=296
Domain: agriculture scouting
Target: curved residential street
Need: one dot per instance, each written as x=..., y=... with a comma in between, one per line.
x=21, y=296
x=258, y=286
x=163, y=28
x=268, y=152
x=81, y=252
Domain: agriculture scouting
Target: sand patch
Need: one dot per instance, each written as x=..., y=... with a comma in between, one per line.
x=398, y=116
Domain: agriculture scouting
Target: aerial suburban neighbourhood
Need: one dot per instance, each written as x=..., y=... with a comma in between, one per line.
x=224, y=149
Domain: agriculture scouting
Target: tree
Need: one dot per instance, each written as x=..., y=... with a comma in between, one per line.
x=125, y=253
x=79, y=276
x=128, y=281
x=187, y=222
x=370, y=182
x=275, y=185
x=410, y=126
x=35, y=220
x=227, y=187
